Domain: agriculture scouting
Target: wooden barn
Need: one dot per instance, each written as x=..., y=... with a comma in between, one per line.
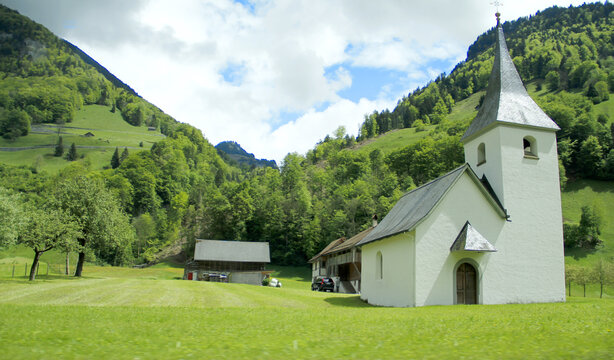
x=229, y=261
x=341, y=260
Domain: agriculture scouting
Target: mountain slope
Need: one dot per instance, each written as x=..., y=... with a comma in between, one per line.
x=234, y=152
x=50, y=89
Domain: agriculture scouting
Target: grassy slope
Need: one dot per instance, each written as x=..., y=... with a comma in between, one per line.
x=124, y=314
x=109, y=130
x=392, y=140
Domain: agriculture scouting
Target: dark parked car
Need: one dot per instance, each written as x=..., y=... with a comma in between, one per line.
x=321, y=283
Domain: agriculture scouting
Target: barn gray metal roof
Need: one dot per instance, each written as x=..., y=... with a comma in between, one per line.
x=469, y=239
x=237, y=251
x=414, y=206
x=506, y=101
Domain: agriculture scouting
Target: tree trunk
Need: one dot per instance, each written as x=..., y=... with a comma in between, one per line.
x=37, y=255
x=81, y=260
x=601, y=294
x=67, y=261
x=570, y=288
x=584, y=290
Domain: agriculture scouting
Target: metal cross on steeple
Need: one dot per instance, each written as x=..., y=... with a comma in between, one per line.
x=497, y=3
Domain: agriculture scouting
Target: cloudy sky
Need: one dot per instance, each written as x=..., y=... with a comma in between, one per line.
x=274, y=75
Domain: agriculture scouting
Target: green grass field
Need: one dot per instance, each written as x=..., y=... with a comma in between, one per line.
x=124, y=313
x=109, y=130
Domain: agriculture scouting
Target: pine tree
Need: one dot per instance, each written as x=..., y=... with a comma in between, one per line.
x=59, y=148
x=115, y=161
x=124, y=155
x=72, y=153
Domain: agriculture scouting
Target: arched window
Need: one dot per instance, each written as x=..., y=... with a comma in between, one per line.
x=379, y=266
x=481, y=154
x=530, y=146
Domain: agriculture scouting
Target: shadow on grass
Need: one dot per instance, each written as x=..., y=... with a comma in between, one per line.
x=298, y=273
x=39, y=278
x=350, y=301
x=598, y=186
x=579, y=253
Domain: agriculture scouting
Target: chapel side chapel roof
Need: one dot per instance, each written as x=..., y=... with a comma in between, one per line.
x=506, y=101
x=416, y=205
x=235, y=251
x=470, y=239
x=341, y=244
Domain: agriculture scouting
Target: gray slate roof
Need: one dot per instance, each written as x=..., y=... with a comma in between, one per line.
x=469, y=239
x=507, y=101
x=413, y=207
x=237, y=251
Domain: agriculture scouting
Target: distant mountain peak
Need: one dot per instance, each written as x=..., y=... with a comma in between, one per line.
x=232, y=151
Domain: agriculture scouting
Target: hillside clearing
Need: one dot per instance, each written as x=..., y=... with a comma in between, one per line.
x=109, y=130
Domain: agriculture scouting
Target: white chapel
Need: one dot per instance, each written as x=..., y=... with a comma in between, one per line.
x=488, y=232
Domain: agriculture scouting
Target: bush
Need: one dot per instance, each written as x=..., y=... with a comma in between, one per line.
x=14, y=123
x=586, y=234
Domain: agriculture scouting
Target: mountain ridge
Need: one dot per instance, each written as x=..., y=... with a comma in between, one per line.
x=233, y=151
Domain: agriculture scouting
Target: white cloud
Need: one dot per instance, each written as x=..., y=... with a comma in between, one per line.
x=301, y=134
x=175, y=53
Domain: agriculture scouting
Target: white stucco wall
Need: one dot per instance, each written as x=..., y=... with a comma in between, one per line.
x=396, y=288
x=529, y=266
x=492, y=166
x=435, y=263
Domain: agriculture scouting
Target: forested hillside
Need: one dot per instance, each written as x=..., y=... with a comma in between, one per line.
x=181, y=189
x=567, y=52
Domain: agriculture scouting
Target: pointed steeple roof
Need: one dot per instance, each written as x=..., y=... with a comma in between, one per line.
x=506, y=101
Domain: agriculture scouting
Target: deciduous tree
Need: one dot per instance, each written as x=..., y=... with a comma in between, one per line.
x=104, y=227
x=47, y=229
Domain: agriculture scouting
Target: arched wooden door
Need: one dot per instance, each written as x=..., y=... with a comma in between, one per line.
x=466, y=284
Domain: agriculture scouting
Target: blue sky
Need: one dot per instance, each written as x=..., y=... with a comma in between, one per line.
x=274, y=75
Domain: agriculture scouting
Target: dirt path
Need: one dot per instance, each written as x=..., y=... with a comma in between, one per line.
x=40, y=127
x=78, y=147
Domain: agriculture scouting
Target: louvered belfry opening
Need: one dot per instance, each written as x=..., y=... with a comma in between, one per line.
x=466, y=284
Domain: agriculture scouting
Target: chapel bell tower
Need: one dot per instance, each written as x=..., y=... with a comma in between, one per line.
x=512, y=142
x=511, y=146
